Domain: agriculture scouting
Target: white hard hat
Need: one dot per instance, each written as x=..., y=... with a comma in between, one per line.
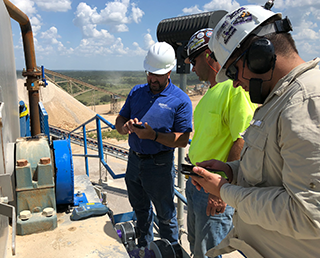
x=160, y=58
x=233, y=28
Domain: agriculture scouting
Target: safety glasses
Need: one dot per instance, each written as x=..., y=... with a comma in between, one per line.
x=232, y=70
x=153, y=74
x=192, y=60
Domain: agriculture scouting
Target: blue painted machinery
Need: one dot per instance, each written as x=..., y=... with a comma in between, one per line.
x=64, y=172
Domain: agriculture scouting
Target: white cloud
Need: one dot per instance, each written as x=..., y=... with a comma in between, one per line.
x=118, y=48
x=54, y=5
x=138, y=51
x=213, y=5
x=148, y=41
x=137, y=13
x=309, y=50
x=26, y=6
x=191, y=10
x=50, y=36
x=49, y=41
x=83, y=14
x=122, y=28
x=228, y=5
x=36, y=24
x=294, y=3
x=115, y=15
x=307, y=30
x=304, y=16
x=114, y=12
x=92, y=47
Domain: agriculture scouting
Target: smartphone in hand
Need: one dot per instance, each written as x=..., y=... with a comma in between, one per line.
x=139, y=126
x=186, y=169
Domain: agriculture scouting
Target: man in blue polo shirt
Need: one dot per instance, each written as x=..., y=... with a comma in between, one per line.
x=165, y=112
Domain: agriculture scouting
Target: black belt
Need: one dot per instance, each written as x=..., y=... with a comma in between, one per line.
x=149, y=156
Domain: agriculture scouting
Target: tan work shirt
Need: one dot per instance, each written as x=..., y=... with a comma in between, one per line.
x=276, y=188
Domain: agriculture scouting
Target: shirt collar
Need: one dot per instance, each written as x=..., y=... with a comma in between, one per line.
x=283, y=84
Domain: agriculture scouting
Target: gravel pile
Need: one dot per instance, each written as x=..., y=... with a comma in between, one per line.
x=63, y=110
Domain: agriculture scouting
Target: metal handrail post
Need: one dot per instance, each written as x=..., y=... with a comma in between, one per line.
x=100, y=149
x=84, y=132
x=181, y=155
x=100, y=146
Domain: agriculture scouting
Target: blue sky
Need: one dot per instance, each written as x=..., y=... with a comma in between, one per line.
x=115, y=35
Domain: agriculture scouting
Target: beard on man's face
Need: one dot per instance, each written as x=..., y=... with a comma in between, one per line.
x=157, y=86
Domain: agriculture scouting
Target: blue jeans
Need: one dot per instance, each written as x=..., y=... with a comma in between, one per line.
x=152, y=180
x=205, y=232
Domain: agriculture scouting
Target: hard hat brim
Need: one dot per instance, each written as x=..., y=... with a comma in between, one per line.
x=158, y=71
x=221, y=75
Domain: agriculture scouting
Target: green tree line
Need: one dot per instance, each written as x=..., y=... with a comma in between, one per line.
x=117, y=82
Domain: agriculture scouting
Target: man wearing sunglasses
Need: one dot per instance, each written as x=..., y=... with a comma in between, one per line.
x=275, y=186
x=220, y=116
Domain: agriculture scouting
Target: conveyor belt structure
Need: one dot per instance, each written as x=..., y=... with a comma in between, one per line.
x=77, y=138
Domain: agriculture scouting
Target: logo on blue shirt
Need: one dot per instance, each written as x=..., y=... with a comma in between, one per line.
x=162, y=105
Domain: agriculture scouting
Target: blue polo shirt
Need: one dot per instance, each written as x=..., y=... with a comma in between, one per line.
x=168, y=111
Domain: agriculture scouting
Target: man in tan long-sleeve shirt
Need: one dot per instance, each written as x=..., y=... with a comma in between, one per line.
x=275, y=186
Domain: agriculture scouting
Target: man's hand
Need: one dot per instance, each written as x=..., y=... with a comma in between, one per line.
x=217, y=165
x=210, y=182
x=142, y=133
x=215, y=205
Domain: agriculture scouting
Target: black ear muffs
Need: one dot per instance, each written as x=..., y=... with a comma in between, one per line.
x=261, y=56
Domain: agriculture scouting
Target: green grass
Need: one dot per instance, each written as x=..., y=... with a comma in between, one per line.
x=112, y=134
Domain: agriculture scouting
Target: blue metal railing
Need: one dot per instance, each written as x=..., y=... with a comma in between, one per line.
x=98, y=119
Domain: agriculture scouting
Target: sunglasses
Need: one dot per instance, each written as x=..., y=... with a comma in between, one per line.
x=232, y=70
x=192, y=60
x=153, y=74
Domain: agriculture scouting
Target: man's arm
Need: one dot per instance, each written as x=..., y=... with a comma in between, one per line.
x=235, y=150
x=120, y=125
x=215, y=204
x=173, y=139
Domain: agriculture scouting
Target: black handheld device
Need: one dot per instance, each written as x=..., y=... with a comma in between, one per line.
x=139, y=126
x=186, y=169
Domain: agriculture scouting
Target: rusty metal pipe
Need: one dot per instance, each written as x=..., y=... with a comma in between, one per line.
x=30, y=58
